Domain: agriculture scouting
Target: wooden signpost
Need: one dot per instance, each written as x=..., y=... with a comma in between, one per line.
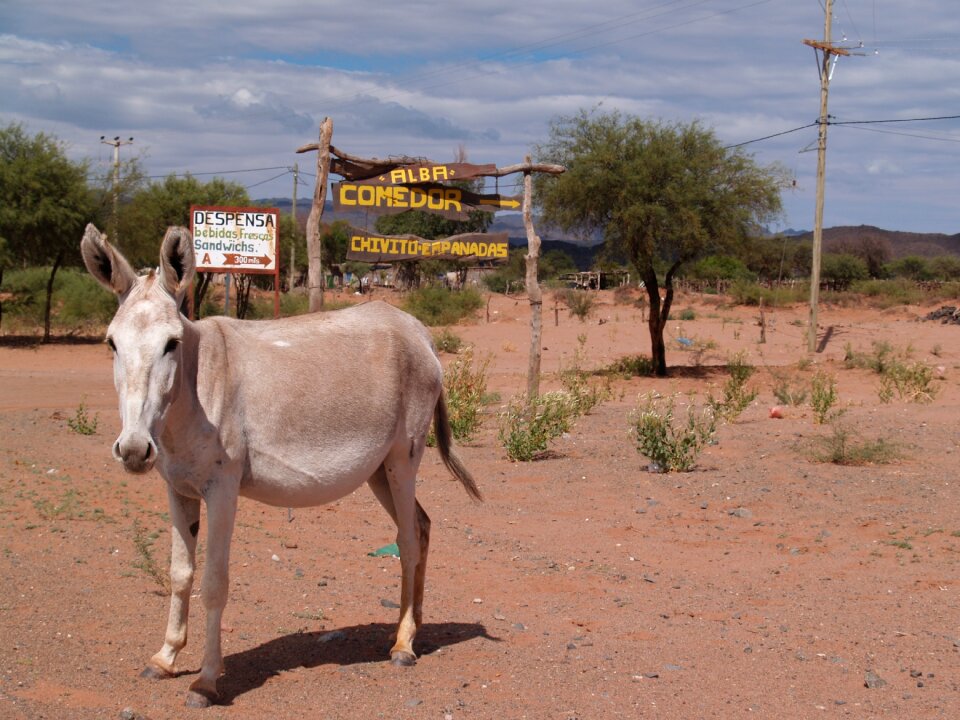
x=399, y=184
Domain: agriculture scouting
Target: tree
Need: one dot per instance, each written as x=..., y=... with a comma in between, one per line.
x=44, y=203
x=841, y=270
x=159, y=205
x=666, y=192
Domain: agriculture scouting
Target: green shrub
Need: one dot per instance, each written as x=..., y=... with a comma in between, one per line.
x=671, y=445
x=743, y=292
x=786, y=392
x=688, y=313
x=526, y=430
x=78, y=301
x=439, y=306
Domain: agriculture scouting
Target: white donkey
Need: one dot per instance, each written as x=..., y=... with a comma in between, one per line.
x=292, y=413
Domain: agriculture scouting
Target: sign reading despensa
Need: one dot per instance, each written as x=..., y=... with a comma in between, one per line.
x=235, y=239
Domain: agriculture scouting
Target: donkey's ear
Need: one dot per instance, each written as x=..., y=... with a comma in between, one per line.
x=177, y=262
x=105, y=262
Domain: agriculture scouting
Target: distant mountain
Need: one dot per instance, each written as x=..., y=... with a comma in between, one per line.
x=901, y=243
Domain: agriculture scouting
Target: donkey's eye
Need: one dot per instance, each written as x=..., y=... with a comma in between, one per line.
x=113, y=348
x=170, y=346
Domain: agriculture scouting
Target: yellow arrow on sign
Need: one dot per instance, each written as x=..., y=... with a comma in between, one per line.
x=501, y=202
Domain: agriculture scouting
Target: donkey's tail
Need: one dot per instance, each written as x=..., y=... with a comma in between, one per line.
x=441, y=428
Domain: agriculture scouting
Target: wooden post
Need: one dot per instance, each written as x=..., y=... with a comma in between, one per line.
x=533, y=289
x=763, y=324
x=314, y=249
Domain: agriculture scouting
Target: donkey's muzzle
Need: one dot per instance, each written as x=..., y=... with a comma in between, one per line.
x=138, y=453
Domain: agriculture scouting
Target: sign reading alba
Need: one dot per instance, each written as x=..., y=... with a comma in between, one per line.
x=235, y=239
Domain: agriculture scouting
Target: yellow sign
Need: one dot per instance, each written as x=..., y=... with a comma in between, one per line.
x=377, y=248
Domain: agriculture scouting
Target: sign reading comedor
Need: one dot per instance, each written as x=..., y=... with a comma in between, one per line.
x=235, y=239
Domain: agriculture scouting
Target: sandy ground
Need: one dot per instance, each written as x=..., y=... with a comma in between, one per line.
x=761, y=583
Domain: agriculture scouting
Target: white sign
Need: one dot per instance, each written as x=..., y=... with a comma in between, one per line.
x=235, y=239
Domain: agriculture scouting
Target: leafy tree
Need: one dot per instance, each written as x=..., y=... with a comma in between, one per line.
x=913, y=267
x=157, y=206
x=842, y=269
x=658, y=192
x=942, y=267
x=44, y=204
x=720, y=267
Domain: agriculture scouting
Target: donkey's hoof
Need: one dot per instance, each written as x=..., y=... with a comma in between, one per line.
x=152, y=672
x=402, y=658
x=200, y=699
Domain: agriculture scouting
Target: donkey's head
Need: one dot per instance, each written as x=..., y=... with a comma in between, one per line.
x=145, y=336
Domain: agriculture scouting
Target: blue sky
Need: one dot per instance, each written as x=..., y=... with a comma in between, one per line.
x=212, y=87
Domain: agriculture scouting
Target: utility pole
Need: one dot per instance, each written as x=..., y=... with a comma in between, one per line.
x=826, y=51
x=116, y=143
x=293, y=214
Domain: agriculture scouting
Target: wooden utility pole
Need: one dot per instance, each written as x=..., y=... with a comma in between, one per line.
x=293, y=215
x=533, y=288
x=827, y=50
x=314, y=248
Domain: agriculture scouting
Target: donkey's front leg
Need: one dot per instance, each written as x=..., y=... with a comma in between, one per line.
x=221, y=499
x=185, y=517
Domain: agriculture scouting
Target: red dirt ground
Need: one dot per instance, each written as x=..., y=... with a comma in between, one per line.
x=762, y=582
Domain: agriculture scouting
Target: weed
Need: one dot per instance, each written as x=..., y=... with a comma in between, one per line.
x=671, y=445
x=526, y=429
x=844, y=447
x=66, y=509
x=584, y=395
x=736, y=397
x=786, y=392
x=630, y=366
x=910, y=381
x=81, y=422
x=146, y=562
x=465, y=383
x=688, y=313
x=447, y=341
x=579, y=302
x=902, y=544
x=823, y=396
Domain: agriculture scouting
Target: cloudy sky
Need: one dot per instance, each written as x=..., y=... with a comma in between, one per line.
x=223, y=87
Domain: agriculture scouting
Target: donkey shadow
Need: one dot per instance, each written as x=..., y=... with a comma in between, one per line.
x=370, y=643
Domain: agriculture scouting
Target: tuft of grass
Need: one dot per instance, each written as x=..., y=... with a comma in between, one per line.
x=145, y=560
x=671, y=445
x=906, y=379
x=688, y=313
x=584, y=394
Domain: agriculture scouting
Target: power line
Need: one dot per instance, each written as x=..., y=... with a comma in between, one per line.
x=220, y=172
x=767, y=137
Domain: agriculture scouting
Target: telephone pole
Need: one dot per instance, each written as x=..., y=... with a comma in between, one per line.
x=116, y=143
x=825, y=51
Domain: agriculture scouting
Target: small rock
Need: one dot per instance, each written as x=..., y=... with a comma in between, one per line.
x=389, y=604
x=275, y=558
x=873, y=681
x=519, y=626
x=414, y=702
x=741, y=512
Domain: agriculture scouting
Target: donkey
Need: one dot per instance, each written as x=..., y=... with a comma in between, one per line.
x=224, y=408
